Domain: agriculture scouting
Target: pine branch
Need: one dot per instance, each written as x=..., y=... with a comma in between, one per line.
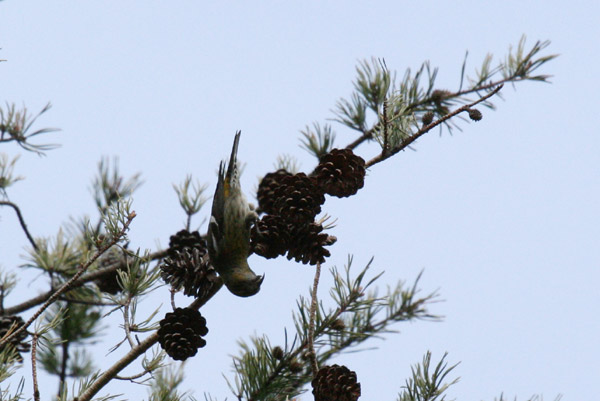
x=68, y=285
x=84, y=279
x=262, y=373
x=16, y=124
x=427, y=384
x=409, y=140
x=376, y=89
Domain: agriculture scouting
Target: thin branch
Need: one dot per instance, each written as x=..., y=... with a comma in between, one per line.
x=385, y=128
x=173, y=291
x=85, y=302
x=62, y=382
x=36, y=390
x=21, y=221
x=132, y=378
x=314, y=303
x=406, y=142
x=127, y=324
x=464, y=92
x=67, y=286
x=491, y=85
x=135, y=352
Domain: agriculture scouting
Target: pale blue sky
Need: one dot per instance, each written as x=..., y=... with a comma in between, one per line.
x=503, y=217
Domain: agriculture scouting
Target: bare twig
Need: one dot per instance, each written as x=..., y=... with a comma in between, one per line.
x=406, y=142
x=62, y=382
x=21, y=221
x=67, y=286
x=133, y=377
x=314, y=303
x=385, y=128
x=36, y=390
x=173, y=291
x=86, y=302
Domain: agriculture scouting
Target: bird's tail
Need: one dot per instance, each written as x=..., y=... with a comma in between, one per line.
x=232, y=169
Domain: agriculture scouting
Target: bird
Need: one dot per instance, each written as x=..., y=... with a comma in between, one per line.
x=229, y=227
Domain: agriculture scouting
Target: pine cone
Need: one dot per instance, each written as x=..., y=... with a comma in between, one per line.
x=185, y=239
x=298, y=199
x=439, y=95
x=109, y=282
x=180, y=333
x=266, y=190
x=14, y=322
x=427, y=118
x=340, y=173
x=335, y=383
x=307, y=244
x=189, y=268
x=270, y=236
x=475, y=115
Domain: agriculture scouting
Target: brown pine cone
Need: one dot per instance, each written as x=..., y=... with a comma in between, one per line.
x=266, y=190
x=270, y=236
x=335, y=383
x=13, y=322
x=189, y=268
x=298, y=199
x=427, y=118
x=475, y=115
x=185, y=239
x=180, y=333
x=307, y=244
x=340, y=173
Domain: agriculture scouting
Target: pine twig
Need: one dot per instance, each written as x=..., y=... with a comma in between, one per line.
x=406, y=142
x=86, y=278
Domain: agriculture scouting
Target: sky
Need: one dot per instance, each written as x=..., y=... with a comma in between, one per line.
x=502, y=218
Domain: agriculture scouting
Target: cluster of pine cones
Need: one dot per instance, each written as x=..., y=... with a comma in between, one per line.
x=290, y=203
x=186, y=267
